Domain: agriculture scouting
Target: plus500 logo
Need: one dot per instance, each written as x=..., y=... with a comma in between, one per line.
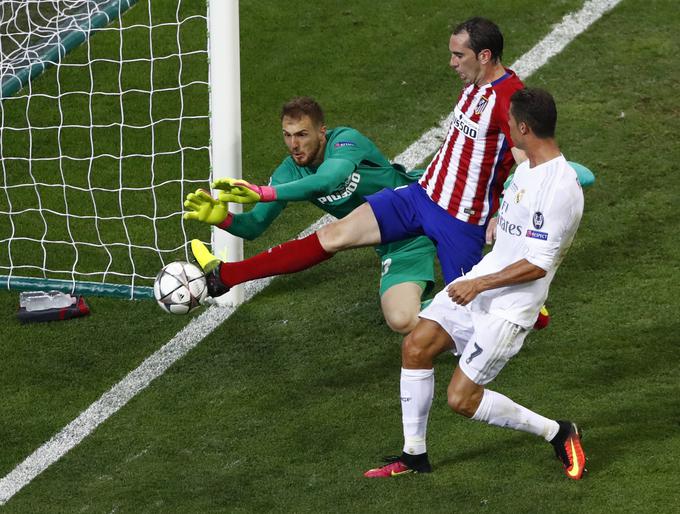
x=343, y=191
x=463, y=123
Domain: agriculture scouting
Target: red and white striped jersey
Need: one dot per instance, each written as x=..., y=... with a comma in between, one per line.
x=467, y=174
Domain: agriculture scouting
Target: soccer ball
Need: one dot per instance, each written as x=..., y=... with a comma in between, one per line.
x=180, y=287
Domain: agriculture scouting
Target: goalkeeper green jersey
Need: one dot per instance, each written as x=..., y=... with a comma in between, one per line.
x=352, y=168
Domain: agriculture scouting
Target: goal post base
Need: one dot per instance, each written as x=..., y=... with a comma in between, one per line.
x=78, y=287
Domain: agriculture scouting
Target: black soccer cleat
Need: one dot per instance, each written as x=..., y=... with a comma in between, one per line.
x=215, y=285
x=210, y=266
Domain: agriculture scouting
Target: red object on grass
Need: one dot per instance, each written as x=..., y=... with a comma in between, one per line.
x=76, y=310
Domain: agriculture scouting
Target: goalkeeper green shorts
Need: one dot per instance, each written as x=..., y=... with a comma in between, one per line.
x=411, y=260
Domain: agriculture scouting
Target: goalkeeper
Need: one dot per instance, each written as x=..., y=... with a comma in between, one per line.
x=335, y=169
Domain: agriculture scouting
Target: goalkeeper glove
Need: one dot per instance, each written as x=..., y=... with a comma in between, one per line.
x=240, y=191
x=203, y=207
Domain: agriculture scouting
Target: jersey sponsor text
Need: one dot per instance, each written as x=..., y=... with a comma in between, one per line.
x=468, y=127
x=343, y=191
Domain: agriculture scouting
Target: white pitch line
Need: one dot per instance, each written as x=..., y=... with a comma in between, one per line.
x=199, y=328
x=135, y=381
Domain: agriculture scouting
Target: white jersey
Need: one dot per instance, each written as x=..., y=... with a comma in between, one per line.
x=537, y=221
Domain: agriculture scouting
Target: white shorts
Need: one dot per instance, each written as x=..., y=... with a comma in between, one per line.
x=484, y=342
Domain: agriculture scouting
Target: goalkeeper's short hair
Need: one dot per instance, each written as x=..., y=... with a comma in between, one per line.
x=301, y=106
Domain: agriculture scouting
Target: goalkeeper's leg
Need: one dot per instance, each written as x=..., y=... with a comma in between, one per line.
x=285, y=258
x=359, y=228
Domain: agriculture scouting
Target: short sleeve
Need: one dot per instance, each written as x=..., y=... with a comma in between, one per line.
x=552, y=227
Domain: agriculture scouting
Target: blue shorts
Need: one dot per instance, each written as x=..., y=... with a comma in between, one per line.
x=408, y=211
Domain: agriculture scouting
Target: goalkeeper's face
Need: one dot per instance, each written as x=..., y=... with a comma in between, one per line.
x=306, y=141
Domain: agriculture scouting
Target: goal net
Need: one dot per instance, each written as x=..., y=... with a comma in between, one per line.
x=99, y=147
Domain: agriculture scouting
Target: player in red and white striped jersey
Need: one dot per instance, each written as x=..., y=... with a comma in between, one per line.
x=467, y=174
x=461, y=188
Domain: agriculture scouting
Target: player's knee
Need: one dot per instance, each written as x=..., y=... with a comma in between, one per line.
x=456, y=402
x=401, y=321
x=463, y=402
x=423, y=344
x=358, y=228
x=332, y=237
x=415, y=352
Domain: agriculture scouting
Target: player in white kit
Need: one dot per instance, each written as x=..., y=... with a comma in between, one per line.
x=485, y=315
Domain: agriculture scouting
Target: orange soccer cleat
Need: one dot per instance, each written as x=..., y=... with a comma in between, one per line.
x=567, y=444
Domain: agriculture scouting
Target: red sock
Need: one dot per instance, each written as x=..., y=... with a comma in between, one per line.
x=288, y=257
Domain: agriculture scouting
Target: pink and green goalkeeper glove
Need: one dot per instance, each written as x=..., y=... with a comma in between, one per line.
x=240, y=191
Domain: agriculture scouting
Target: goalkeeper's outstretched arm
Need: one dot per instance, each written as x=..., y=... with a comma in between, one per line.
x=201, y=206
x=330, y=175
x=270, y=199
x=250, y=225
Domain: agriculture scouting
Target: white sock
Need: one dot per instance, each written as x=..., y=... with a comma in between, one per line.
x=499, y=410
x=417, y=390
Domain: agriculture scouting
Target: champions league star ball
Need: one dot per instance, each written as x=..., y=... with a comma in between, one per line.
x=180, y=287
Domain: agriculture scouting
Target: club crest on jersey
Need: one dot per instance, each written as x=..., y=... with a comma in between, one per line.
x=538, y=220
x=341, y=144
x=535, y=234
x=481, y=105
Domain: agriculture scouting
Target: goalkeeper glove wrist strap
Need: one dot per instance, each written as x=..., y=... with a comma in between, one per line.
x=226, y=223
x=267, y=193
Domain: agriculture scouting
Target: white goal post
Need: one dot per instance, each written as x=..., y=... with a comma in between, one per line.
x=111, y=111
x=225, y=119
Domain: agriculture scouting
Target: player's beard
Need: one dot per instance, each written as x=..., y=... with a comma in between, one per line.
x=308, y=157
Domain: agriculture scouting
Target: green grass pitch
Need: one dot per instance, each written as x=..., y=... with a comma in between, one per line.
x=284, y=405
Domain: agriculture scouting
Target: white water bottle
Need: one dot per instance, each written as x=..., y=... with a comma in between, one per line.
x=41, y=300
